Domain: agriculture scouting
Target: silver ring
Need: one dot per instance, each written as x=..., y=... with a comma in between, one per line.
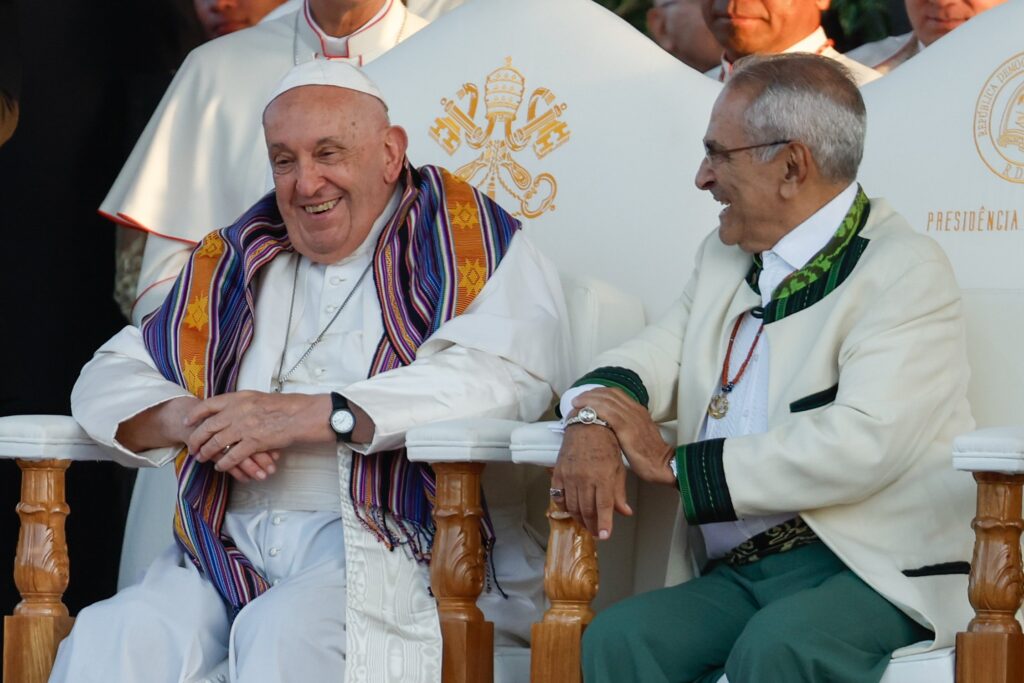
x=556, y=493
x=226, y=449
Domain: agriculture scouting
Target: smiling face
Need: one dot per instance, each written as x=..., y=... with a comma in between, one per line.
x=747, y=186
x=933, y=19
x=336, y=161
x=746, y=27
x=220, y=17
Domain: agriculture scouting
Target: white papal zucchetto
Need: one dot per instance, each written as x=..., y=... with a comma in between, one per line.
x=330, y=72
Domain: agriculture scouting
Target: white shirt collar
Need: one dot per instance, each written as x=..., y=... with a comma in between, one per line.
x=799, y=245
x=815, y=43
x=355, y=46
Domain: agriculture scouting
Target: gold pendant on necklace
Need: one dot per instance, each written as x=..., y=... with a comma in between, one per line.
x=719, y=406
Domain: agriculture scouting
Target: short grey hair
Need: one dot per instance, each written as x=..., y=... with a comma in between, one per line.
x=806, y=98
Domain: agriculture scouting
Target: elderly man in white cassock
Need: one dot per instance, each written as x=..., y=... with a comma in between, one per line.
x=359, y=299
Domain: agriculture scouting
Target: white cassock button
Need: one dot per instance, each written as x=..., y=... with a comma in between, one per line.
x=276, y=521
x=274, y=552
x=331, y=309
x=337, y=280
x=321, y=371
x=275, y=582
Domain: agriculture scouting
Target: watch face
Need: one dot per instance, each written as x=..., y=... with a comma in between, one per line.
x=587, y=414
x=342, y=421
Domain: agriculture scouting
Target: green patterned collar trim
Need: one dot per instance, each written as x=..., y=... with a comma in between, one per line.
x=824, y=272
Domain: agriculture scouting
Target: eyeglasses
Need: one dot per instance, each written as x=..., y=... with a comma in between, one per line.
x=713, y=153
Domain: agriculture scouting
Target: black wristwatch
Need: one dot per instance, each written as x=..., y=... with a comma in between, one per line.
x=343, y=420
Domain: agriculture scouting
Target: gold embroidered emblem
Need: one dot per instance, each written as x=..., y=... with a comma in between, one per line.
x=472, y=276
x=212, y=246
x=193, y=371
x=543, y=130
x=999, y=120
x=197, y=315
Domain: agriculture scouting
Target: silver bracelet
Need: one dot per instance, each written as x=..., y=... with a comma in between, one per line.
x=586, y=416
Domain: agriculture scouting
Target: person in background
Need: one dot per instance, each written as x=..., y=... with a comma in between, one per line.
x=930, y=19
x=749, y=27
x=10, y=69
x=221, y=17
x=195, y=22
x=678, y=27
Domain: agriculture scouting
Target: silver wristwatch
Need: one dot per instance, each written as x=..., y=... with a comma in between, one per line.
x=586, y=416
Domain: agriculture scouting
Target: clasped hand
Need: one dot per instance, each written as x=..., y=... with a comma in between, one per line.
x=590, y=467
x=244, y=432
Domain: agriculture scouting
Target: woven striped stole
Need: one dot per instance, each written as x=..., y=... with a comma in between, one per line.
x=431, y=260
x=826, y=270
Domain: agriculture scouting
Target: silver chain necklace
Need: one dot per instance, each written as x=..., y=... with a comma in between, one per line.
x=282, y=378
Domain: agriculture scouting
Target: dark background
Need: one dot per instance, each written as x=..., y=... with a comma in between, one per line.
x=90, y=74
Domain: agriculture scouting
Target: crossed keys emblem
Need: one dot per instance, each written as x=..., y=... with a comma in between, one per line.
x=499, y=141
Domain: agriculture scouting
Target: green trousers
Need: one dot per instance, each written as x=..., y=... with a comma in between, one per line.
x=797, y=616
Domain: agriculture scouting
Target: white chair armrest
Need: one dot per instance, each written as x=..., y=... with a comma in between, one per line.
x=469, y=440
x=996, y=449
x=46, y=437
x=536, y=444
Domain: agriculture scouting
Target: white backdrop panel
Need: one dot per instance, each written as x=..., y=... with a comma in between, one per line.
x=626, y=208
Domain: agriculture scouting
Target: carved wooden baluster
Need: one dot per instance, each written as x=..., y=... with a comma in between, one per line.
x=41, y=619
x=992, y=649
x=570, y=582
x=457, y=571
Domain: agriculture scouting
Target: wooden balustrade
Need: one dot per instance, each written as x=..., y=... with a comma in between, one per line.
x=41, y=619
x=457, y=571
x=570, y=582
x=992, y=648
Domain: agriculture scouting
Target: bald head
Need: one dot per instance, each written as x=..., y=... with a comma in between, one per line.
x=336, y=161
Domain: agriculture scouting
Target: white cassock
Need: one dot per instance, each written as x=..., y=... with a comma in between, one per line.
x=202, y=161
x=339, y=601
x=816, y=43
x=888, y=53
x=432, y=9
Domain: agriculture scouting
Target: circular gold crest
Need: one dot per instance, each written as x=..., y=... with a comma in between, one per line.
x=999, y=120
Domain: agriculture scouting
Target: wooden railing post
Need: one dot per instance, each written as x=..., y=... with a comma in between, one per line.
x=992, y=648
x=570, y=582
x=457, y=571
x=41, y=619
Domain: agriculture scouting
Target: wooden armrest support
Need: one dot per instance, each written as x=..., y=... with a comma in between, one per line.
x=457, y=571
x=41, y=619
x=570, y=583
x=992, y=648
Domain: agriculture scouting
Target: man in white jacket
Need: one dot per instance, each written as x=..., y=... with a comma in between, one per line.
x=817, y=367
x=361, y=298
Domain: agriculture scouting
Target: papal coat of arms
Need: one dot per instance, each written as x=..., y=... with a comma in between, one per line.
x=499, y=139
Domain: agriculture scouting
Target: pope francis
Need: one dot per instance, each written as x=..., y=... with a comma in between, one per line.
x=359, y=299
